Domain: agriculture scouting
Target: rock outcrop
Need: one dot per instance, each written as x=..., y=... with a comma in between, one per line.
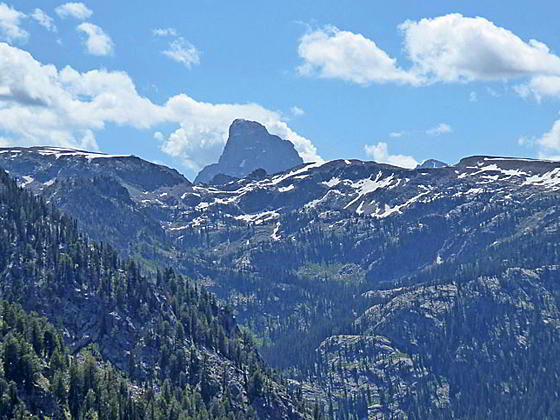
x=250, y=146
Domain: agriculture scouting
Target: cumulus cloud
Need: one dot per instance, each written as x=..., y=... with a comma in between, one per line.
x=97, y=41
x=380, y=153
x=76, y=10
x=449, y=49
x=182, y=51
x=397, y=134
x=40, y=104
x=549, y=143
x=44, y=20
x=540, y=87
x=454, y=48
x=441, y=128
x=334, y=54
x=10, y=21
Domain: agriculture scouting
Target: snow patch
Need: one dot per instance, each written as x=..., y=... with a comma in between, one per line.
x=368, y=185
x=274, y=234
x=331, y=182
x=286, y=189
x=397, y=209
x=548, y=179
x=26, y=181
x=258, y=218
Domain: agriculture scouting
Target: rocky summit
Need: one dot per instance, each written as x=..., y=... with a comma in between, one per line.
x=249, y=147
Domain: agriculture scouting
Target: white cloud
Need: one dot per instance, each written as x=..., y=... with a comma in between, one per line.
x=97, y=42
x=182, y=51
x=334, y=54
x=40, y=104
x=164, y=32
x=450, y=49
x=10, y=21
x=380, y=153
x=297, y=111
x=549, y=142
x=397, y=134
x=441, y=128
x=204, y=129
x=44, y=20
x=540, y=87
x=455, y=48
x=473, y=97
x=75, y=10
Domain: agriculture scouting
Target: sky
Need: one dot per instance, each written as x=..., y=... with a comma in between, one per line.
x=396, y=82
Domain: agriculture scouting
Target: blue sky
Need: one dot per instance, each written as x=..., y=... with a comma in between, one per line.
x=398, y=82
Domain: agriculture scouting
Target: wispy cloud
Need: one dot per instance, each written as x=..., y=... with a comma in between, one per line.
x=10, y=24
x=297, y=111
x=441, y=128
x=164, y=32
x=44, y=20
x=182, y=51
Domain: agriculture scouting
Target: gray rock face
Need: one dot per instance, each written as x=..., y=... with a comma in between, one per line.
x=432, y=164
x=250, y=146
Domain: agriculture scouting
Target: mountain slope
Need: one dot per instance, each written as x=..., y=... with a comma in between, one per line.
x=354, y=275
x=160, y=330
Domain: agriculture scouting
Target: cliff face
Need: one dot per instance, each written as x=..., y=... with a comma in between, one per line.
x=250, y=146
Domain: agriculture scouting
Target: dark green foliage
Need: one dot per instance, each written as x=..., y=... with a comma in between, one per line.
x=160, y=346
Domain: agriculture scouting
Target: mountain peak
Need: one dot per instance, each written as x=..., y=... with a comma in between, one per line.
x=250, y=146
x=431, y=164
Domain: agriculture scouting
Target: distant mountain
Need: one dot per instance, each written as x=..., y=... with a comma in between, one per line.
x=431, y=164
x=380, y=291
x=250, y=146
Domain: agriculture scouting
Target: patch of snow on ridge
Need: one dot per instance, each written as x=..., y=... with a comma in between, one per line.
x=397, y=209
x=286, y=189
x=359, y=209
x=324, y=198
x=514, y=159
x=58, y=152
x=258, y=218
x=548, y=179
x=332, y=182
x=368, y=185
x=275, y=235
x=278, y=179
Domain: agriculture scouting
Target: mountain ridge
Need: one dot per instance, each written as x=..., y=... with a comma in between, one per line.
x=351, y=273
